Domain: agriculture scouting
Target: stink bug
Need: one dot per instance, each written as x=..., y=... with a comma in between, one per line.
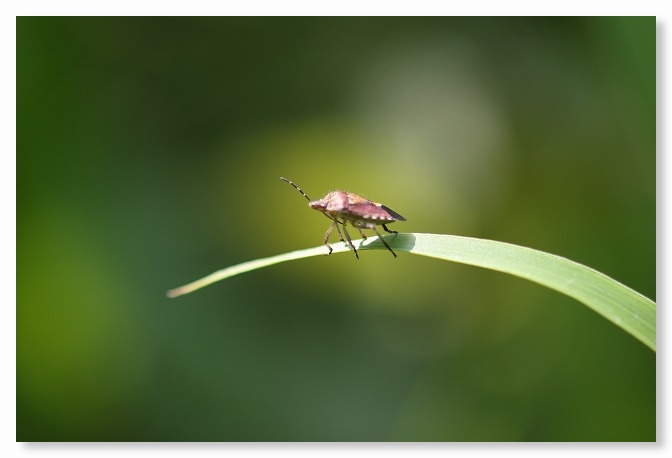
x=345, y=207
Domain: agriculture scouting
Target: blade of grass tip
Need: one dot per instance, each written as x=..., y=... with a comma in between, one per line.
x=252, y=265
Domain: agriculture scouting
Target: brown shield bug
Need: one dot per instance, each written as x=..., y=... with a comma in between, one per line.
x=345, y=207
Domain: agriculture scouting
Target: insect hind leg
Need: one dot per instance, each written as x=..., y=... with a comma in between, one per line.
x=383, y=240
x=389, y=231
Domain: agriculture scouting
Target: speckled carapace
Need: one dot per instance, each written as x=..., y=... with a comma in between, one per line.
x=345, y=207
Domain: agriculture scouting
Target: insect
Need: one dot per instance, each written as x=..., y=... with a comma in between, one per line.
x=345, y=207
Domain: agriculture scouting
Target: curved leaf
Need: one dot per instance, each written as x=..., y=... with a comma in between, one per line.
x=626, y=308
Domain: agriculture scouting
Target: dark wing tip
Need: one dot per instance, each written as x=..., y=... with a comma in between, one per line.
x=393, y=214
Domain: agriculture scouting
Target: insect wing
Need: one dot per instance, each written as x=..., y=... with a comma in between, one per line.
x=374, y=212
x=392, y=213
x=356, y=199
x=364, y=208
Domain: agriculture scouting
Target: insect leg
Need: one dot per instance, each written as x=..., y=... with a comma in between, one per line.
x=347, y=236
x=383, y=240
x=338, y=229
x=326, y=236
x=389, y=231
x=363, y=234
x=336, y=223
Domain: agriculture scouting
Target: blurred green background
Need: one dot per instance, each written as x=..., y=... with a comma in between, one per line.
x=149, y=152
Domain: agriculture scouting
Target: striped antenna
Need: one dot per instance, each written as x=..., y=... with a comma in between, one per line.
x=297, y=188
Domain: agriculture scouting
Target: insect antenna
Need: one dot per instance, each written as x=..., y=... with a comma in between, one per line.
x=297, y=188
x=309, y=200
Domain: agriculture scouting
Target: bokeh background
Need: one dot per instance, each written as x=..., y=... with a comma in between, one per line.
x=149, y=152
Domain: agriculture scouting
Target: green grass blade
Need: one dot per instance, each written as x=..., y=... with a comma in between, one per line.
x=626, y=308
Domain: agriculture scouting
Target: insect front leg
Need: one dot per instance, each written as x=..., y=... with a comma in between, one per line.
x=383, y=240
x=326, y=236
